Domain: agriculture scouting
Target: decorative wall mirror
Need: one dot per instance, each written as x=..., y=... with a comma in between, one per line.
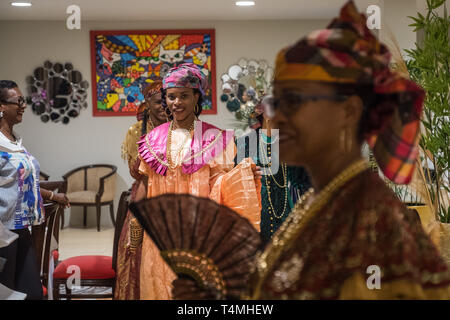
x=57, y=92
x=243, y=88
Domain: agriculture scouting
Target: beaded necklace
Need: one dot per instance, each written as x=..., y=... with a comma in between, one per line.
x=284, y=186
x=297, y=220
x=172, y=165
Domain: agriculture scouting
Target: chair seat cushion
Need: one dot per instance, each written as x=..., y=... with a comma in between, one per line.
x=91, y=267
x=81, y=196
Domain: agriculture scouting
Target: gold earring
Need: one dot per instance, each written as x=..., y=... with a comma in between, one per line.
x=196, y=108
x=348, y=140
x=342, y=138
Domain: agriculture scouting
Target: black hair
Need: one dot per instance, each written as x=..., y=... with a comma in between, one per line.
x=5, y=85
x=166, y=108
x=260, y=118
x=144, y=122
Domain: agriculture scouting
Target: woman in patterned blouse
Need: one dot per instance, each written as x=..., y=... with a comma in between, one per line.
x=20, y=196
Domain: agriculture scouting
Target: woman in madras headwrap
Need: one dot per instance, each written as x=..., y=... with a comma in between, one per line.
x=150, y=115
x=190, y=156
x=333, y=90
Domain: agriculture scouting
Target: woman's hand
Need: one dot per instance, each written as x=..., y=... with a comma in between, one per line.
x=257, y=172
x=61, y=199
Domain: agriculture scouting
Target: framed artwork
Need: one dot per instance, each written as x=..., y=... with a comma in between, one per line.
x=124, y=62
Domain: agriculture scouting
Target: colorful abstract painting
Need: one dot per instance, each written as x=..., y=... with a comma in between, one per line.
x=124, y=62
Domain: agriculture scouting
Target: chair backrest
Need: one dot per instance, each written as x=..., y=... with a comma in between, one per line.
x=120, y=219
x=60, y=187
x=87, y=177
x=42, y=238
x=43, y=176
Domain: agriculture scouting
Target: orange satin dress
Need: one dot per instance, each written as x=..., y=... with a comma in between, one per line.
x=235, y=187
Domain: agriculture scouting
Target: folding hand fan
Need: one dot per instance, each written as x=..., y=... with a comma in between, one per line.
x=202, y=239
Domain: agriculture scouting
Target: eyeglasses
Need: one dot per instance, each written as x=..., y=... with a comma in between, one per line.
x=21, y=101
x=291, y=102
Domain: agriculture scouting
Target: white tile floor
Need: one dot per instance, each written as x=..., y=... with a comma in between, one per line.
x=76, y=241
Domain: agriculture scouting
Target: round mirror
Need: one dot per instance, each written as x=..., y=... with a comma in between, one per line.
x=75, y=76
x=45, y=118
x=68, y=66
x=234, y=72
x=84, y=84
x=225, y=78
x=243, y=63
x=244, y=86
x=39, y=74
x=48, y=65
x=58, y=68
x=59, y=92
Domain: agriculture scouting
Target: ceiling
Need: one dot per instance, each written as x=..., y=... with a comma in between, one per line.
x=126, y=10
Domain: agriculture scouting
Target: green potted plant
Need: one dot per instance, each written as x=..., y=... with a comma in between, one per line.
x=429, y=66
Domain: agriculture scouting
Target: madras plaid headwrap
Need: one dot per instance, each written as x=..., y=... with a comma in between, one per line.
x=347, y=52
x=150, y=90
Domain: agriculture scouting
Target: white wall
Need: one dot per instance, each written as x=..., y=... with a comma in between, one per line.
x=87, y=139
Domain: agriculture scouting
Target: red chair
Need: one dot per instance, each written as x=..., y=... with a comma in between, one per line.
x=95, y=270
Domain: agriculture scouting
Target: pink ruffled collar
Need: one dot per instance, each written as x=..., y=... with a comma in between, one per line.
x=207, y=143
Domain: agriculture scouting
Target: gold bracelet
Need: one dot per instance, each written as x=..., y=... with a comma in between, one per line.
x=51, y=196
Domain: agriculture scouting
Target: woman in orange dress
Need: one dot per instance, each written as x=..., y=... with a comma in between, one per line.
x=190, y=156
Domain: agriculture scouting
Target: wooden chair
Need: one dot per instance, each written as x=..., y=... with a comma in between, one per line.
x=43, y=176
x=45, y=234
x=92, y=185
x=42, y=240
x=60, y=187
x=96, y=270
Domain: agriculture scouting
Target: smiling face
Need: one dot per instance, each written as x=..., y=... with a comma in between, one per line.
x=14, y=107
x=181, y=102
x=155, y=107
x=310, y=130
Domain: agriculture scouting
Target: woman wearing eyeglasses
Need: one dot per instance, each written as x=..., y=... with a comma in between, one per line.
x=351, y=238
x=20, y=196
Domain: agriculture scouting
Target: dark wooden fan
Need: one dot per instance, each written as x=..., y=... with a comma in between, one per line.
x=202, y=239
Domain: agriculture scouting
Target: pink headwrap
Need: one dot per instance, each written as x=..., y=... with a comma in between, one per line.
x=186, y=75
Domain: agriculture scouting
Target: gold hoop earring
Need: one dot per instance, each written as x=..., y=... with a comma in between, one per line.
x=346, y=142
x=349, y=140
x=342, y=138
x=196, y=109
